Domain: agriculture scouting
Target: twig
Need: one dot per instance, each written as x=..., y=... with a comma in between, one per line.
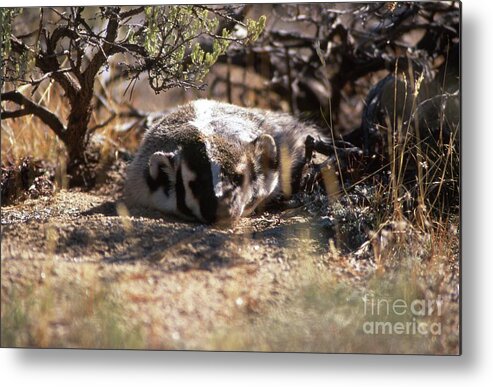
x=31, y=107
x=103, y=124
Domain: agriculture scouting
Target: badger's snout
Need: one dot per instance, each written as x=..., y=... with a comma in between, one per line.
x=229, y=207
x=227, y=214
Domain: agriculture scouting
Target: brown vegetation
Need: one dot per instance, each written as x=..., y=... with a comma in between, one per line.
x=79, y=270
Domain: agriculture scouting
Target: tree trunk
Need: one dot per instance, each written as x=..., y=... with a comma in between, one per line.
x=75, y=140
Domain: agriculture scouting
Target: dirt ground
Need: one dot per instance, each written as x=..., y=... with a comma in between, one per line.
x=187, y=277
x=180, y=285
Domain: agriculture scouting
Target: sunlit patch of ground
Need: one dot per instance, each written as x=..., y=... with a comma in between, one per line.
x=75, y=273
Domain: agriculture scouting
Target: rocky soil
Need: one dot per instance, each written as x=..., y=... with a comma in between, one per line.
x=178, y=284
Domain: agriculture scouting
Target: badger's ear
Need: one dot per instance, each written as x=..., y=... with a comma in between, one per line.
x=265, y=151
x=162, y=160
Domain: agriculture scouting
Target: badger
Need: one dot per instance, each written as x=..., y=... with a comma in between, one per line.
x=212, y=162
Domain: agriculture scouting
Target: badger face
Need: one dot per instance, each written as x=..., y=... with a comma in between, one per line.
x=214, y=180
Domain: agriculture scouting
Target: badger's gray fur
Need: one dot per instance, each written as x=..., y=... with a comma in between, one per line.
x=213, y=161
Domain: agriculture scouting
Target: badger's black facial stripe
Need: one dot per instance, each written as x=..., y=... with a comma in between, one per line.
x=180, y=195
x=153, y=184
x=162, y=180
x=208, y=202
x=202, y=188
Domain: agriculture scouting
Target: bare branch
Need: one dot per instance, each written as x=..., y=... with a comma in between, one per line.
x=31, y=107
x=131, y=12
x=60, y=33
x=37, y=81
x=103, y=124
x=48, y=62
x=228, y=21
x=28, y=35
x=14, y=114
x=101, y=55
x=19, y=46
x=128, y=47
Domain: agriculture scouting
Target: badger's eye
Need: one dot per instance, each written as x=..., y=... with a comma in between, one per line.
x=237, y=179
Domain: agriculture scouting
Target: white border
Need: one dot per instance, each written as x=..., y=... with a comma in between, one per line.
x=85, y=368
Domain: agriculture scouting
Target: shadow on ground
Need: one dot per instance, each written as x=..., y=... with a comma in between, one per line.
x=87, y=228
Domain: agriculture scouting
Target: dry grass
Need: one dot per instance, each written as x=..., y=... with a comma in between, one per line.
x=409, y=256
x=318, y=307
x=27, y=136
x=67, y=314
x=414, y=248
x=326, y=310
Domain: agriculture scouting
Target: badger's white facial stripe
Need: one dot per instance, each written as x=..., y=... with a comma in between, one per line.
x=163, y=202
x=203, y=115
x=158, y=160
x=237, y=127
x=217, y=184
x=207, y=116
x=154, y=167
x=191, y=201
